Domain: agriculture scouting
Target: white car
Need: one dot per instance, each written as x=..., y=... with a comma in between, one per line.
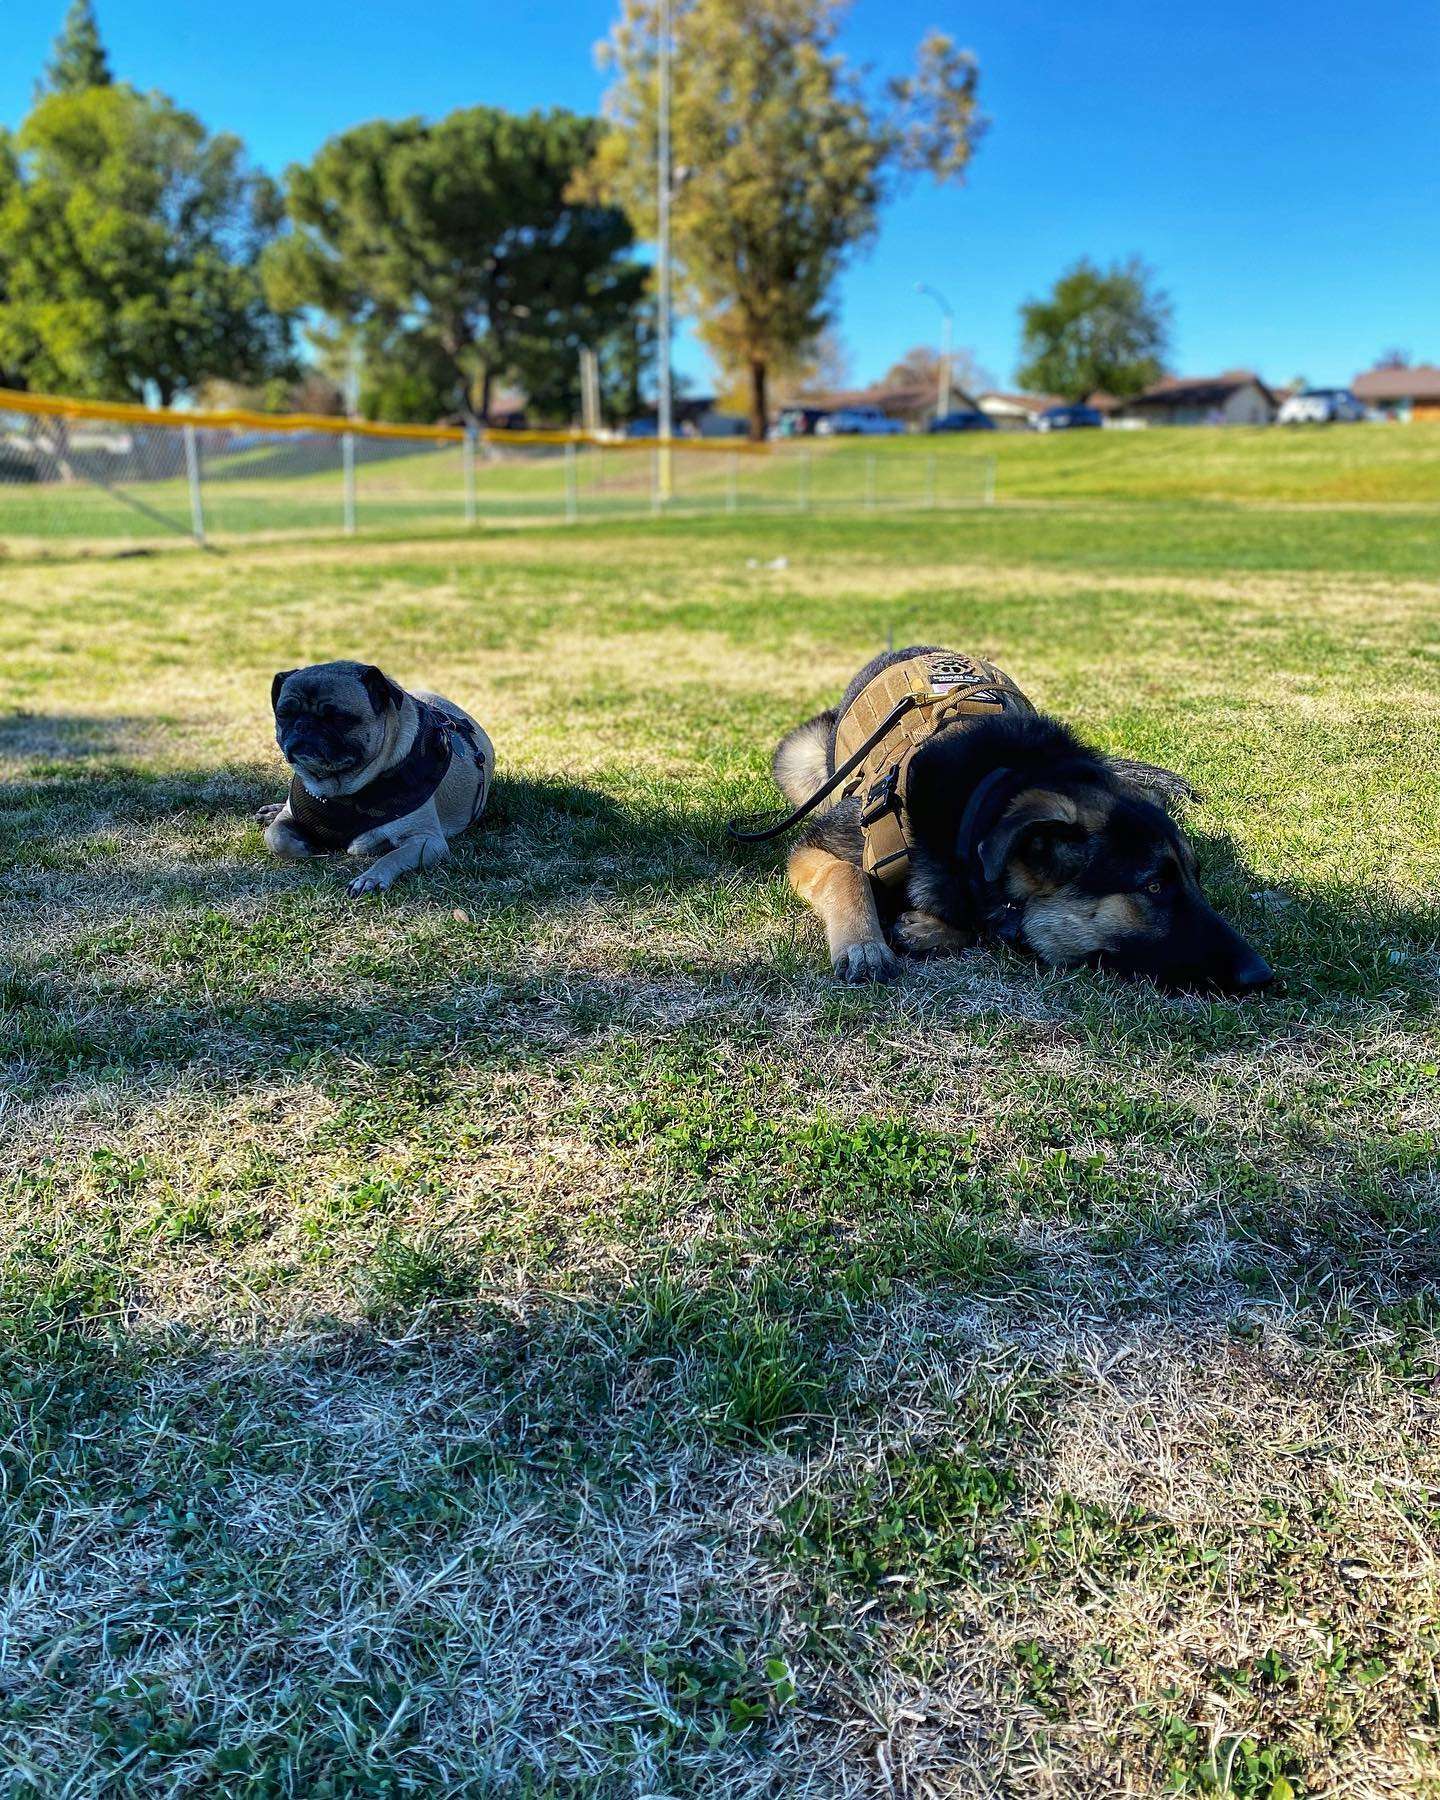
x=859, y=421
x=1321, y=406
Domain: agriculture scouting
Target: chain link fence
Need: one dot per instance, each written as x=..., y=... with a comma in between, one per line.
x=103, y=477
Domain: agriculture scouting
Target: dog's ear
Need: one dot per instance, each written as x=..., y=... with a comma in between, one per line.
x=382, y=690
x=1151, y=782
x=277, y=684
x=1052, y=814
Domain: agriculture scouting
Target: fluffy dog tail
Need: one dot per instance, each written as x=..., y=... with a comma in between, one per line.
x=802, y=758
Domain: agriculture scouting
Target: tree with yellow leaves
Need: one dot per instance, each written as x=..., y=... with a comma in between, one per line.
x=780, y=161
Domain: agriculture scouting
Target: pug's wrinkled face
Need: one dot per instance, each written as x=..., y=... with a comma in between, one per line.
x=333, y=719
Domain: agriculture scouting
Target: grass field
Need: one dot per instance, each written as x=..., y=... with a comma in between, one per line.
x=295, y=488
x=534, y=1334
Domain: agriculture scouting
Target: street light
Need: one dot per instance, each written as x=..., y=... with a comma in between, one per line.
x=942, y=397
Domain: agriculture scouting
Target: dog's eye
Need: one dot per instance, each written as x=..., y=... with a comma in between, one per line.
x=1154, y=887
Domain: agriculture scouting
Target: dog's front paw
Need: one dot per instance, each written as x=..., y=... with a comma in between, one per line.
x=871, y=961
x=368, y=883
x=267, y=815
x=921, y=934
x=371, y=843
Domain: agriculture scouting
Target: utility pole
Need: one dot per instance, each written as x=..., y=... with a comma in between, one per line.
x=666, y=422
x=947, y=348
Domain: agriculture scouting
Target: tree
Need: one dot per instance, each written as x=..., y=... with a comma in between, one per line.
x=131, y=238
x=78, y=60
x=781, y=161
x=1393, y=359
x=1102, y=329
x=821, y=367
x=464, y=234
x=920, y=368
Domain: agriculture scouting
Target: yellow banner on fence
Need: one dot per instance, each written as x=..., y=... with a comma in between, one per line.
x=119, y=412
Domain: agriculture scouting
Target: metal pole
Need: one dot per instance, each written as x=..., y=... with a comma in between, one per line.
x=870, y=481
x=948, y=341
x=352, y=408
x=192, y=472
x=990, y=481
x=666, y=421
x=572, y=494
x=930, y=480
x=803, y=500
x=942, y=390
x=467, y=459
x=732, y=482
x=347, y=444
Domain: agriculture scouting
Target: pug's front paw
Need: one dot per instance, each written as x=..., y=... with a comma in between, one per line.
x=370, y=843
x=371, y=882
x=267, y=815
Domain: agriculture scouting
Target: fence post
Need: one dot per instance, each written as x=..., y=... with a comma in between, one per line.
x=572, y=494
x=990, y=481
x=347, y=447
x=870, y=481
x=192, y=474
x=467, y=459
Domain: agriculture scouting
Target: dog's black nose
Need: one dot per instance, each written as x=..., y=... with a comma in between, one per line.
x=1251, y=972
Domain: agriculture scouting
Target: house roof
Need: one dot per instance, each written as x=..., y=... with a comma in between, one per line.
x=1031, y=403
x=892, y=400
x=1200, y=390
x=1420, y=383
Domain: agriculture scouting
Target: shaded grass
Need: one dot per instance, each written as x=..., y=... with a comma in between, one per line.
x=533, y=1334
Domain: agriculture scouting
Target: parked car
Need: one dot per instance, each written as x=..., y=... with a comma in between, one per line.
x=962, y=421
x=859, y=421
x=799, y=421
x=1068, y=418
x=1321, y=406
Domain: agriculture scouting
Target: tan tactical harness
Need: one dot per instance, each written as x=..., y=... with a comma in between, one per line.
x=935, y=691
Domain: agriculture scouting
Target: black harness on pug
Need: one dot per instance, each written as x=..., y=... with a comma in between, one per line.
x=334, y=824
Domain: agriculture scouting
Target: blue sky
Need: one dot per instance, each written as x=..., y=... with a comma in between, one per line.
x=1277, y=163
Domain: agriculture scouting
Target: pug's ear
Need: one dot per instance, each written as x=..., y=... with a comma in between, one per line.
x=277, y=684
x=383, y=692
x=1052, y=812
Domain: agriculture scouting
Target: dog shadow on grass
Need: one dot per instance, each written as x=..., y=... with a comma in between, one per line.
x=152, y=887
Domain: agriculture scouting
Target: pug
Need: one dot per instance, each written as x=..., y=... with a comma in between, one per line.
x=376, y=771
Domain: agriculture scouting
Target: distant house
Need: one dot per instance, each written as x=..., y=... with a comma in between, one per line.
x=1401, y=393
x=1014, y=412
x=912, y=404
x=1237, y=397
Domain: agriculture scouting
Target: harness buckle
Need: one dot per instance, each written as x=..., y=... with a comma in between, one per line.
x=882, y=798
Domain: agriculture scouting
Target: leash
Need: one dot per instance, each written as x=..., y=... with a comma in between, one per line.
x=761, y=827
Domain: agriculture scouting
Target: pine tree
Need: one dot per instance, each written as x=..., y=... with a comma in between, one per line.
x=79, y=60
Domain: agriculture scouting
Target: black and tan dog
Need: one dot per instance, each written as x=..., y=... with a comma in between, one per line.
x=965, y=813
x=377, y=772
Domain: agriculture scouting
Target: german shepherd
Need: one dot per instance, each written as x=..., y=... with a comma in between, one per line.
x=1066, y=856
